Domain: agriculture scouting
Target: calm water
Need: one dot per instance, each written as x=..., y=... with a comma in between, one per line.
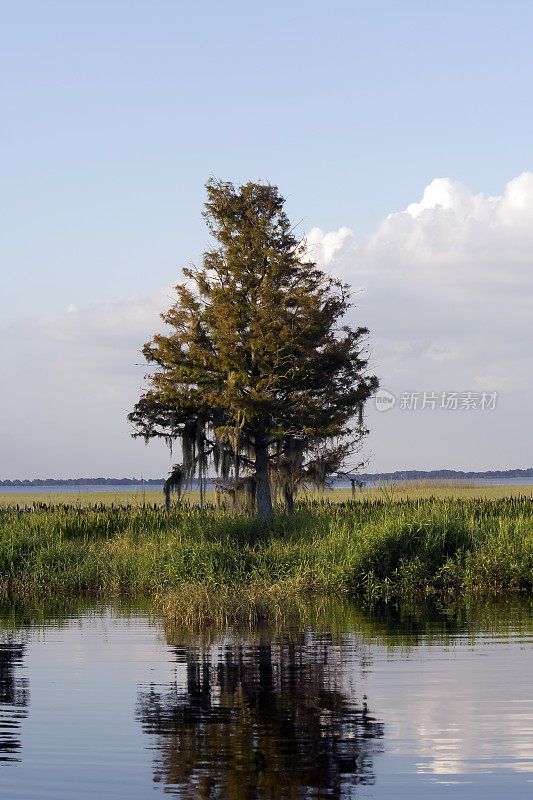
x=137, y=487
x=101, y=702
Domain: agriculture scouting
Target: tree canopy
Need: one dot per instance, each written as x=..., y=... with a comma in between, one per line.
x=257, y=375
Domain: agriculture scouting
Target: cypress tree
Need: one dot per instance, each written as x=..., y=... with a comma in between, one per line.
x=257, y=373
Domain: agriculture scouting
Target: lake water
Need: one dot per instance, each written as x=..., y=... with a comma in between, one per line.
x=101, y=702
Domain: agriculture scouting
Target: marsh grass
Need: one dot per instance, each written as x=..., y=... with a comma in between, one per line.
x=210, y=567
x=400, y=490
x=403, y=622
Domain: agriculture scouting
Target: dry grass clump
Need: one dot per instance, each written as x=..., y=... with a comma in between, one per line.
x=250, y=604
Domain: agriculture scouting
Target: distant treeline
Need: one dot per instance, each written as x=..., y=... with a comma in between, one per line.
x=402, y=475
x=440, y=474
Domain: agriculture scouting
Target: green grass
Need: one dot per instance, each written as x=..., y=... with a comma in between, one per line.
x=201, y=567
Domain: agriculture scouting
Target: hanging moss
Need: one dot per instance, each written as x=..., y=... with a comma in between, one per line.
x=173, y=483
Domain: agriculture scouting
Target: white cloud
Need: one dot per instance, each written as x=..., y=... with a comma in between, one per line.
x=326, y=247
x=74, y=377
x=445, y=287
x=449, y=276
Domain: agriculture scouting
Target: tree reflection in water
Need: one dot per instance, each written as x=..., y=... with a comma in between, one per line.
x=13, y=699
x=264, y=720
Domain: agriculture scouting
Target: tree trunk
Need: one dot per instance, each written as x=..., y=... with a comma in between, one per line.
x=166, y=490
x=288, y=497
x=202, y=490
x=262, y=483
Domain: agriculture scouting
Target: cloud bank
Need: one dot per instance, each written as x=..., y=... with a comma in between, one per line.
x=449, y=279
x=445, y=287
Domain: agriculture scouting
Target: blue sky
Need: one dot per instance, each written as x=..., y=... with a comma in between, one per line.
x=116, y=113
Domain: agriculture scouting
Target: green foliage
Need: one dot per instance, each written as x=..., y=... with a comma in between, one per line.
x=379, y=549
x=257, y=371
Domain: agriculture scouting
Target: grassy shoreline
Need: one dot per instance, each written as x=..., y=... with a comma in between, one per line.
x=407, y=490
x=204, y=567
